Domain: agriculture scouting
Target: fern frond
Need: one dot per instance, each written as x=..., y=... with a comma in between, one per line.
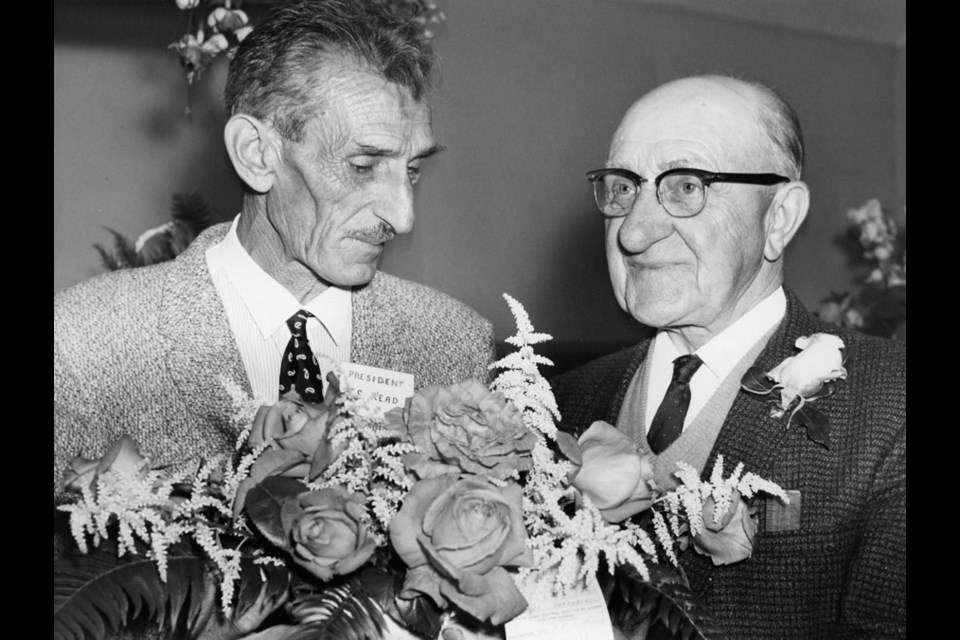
x=345, y=612
x=98, y=591
x=665, y=597
x=123, y=256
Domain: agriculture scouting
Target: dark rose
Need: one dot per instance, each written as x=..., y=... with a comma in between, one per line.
x=298, y=429
x=327, y=531
x=465, y=427
x=457, y=535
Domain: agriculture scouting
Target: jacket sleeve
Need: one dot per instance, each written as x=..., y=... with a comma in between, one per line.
x=874, y=601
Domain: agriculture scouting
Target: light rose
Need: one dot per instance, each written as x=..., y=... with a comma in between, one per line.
x=730, y=539
x=327, y=531
x=456, y=535
x=613, y=474
x=123, y=457
x=820, y=360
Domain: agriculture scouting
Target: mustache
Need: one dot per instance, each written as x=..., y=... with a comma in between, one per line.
x=379, y=234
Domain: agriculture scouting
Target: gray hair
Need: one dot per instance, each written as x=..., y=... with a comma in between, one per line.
x=782, y=125
x=273, y=75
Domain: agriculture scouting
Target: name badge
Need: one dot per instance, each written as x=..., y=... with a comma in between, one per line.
x=580, y=614
x=380, y=387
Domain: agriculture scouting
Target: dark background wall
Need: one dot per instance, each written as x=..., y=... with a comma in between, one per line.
x=530, y=93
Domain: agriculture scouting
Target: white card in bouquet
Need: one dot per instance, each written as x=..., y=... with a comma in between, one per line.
x=580, y=614
x=382, y=387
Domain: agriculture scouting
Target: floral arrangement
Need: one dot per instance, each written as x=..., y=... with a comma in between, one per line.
x=350, y=522
x=879, y=244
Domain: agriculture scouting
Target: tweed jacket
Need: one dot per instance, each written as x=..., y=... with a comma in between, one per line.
x=144, y=352
x=842, y=573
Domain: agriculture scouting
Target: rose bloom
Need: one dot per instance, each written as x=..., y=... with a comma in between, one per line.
x=820, y=360
x=612, y=473
x=457, y=535
x=296, y=427
x=465, y=427
x=729, y=539
x=123, y=457
x=327, y=531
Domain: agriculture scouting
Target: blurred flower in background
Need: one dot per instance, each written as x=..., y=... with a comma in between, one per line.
x=879, y=246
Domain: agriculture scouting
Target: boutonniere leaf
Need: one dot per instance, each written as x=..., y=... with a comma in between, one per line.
x=815, y=372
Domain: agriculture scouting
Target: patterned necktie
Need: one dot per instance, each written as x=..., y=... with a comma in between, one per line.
x=299, y=368
x=667, y=424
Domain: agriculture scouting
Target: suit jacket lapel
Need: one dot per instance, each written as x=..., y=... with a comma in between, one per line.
x=749, y=434
x=201, y=352
x=377, y=338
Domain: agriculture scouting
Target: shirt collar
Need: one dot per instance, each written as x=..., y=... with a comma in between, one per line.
x=269, y=303
x=722, y=353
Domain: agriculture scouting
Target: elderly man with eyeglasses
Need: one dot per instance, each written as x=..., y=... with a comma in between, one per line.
x=700, y=196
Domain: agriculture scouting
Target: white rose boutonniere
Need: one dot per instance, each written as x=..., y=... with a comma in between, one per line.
x=811, y=374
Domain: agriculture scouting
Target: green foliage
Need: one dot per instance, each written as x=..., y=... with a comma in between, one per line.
x=264, y=505
x=123, y=255
x=418, y=614
x=191, y=216
x=755, y=380
x=665, y=600
x=97, y=591
x=344, y=612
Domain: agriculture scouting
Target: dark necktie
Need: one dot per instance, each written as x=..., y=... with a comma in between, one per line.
x=667, y=424
x=299, y=369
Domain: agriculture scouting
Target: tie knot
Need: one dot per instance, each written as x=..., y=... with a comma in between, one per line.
x=684, y=367
x=297, y=323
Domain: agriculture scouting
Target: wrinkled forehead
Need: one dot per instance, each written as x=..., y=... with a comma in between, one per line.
x=705, y=123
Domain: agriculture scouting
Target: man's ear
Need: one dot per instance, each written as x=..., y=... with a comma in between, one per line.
x=254, y=150
x=784, y=217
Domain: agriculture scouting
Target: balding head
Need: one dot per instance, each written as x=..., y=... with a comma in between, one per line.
x=693, y=253
x=778, y=121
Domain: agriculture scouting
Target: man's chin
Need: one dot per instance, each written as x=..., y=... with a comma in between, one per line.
x=356, y=276
x=656, y=309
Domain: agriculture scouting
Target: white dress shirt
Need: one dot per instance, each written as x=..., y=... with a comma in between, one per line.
x=258, y=307
x=719, y=356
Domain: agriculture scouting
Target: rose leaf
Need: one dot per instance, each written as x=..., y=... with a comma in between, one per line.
x=265, y=501
x=817, y=425
x=418, y=614
x=569, y=447
x=755, y=380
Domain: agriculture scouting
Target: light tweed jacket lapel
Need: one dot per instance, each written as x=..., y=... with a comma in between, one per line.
x=201, y=352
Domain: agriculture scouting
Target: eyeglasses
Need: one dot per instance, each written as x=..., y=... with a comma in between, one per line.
x=682, y=192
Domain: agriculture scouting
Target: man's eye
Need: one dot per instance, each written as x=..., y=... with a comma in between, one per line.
x=413, y=173
x=361, y=168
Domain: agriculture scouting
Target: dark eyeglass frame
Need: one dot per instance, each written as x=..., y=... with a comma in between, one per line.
x=707, y=177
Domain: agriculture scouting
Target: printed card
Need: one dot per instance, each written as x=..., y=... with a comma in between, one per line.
x=381, y=387
x=578, y=615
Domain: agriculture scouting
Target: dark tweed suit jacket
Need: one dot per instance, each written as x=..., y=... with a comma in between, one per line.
x=142, y=352
x=842, y=573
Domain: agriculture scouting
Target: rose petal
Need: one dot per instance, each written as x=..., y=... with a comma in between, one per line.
x=407, y=524
x=733, y=543
x=493, y=597
x=612, y=469
x=423, y=580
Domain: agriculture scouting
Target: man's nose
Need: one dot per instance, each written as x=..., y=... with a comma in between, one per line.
x=396, y=206
x=646, y=224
